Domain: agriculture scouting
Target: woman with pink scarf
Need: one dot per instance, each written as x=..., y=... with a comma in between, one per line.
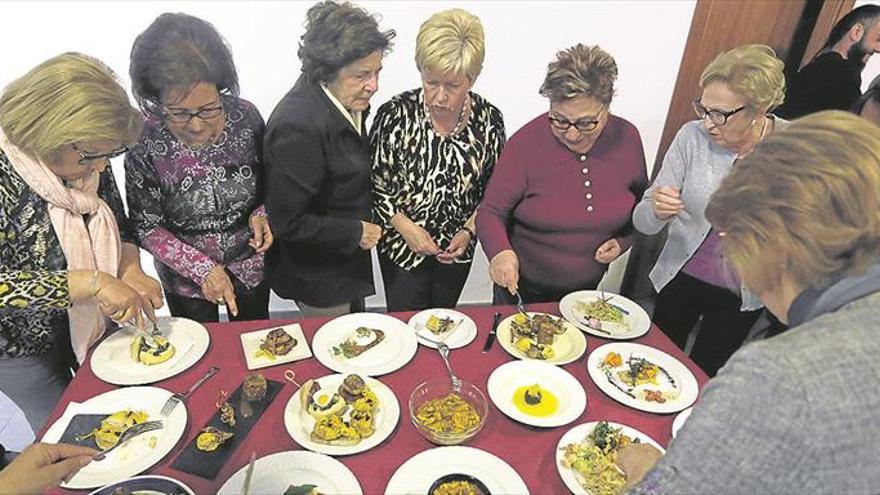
x=68, y=262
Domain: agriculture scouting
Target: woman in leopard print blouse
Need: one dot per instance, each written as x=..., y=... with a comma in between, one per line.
x=433, y=151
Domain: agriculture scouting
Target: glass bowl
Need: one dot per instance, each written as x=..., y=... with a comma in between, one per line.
x=440, y=428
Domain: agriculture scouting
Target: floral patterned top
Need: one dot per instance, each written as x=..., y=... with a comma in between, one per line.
x=190, y=208
x=34, y=295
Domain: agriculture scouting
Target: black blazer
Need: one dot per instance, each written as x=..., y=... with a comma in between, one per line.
x=318, y=192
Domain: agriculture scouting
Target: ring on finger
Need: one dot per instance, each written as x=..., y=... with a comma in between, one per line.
x=220, y=300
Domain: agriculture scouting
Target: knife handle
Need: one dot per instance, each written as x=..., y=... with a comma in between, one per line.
x=490, y=339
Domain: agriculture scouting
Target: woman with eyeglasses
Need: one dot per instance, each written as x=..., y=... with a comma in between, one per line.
x=737, y=92
x=557, y=209
x=193, y=180
x=68, y=260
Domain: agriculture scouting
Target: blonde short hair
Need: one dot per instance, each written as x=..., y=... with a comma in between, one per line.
x=752, y=71
x=70, y=98
x=451, y=41
x=580, y=70
x=809, y=193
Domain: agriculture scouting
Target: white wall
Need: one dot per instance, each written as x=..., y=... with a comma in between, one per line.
x=646, y=37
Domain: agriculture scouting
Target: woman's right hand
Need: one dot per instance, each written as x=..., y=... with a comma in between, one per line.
x=418, y=240
x=218, y=289
x=504, y=270
x=116, y=299
x=667, y=202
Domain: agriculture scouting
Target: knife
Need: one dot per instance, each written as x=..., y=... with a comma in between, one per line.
x=491, y=338
x=245, y=490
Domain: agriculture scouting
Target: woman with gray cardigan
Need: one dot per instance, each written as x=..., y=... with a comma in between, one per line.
x=795, y=413
x=738, y=90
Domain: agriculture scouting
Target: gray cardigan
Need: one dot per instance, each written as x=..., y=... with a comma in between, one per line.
x=797, y=413
x=695, y=165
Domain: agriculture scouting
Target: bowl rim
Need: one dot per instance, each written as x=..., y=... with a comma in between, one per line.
x=482, y=408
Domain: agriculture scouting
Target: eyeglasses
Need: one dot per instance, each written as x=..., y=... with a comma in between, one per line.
x=584, y=126
x=85, y=158
x=717, y=117
x=184, y=117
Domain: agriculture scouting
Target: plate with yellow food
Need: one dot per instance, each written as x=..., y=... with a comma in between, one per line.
x=341, y=414
x=605, y=314
x=453, y=470
x=642, y=377
x=536, y=393
x=586, y=455
x=127, y=358
x=121, y=409
x=449, y=326
x=274, y=346
x=296, y=472
x=369, y=344
x=541, y=337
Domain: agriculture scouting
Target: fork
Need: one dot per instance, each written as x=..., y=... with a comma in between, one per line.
x=177, y=398
x=128, y=435
x=444, y=353
x=519, y=305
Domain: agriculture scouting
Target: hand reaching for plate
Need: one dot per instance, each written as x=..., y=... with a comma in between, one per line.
x=635, y=460
x=42, y=466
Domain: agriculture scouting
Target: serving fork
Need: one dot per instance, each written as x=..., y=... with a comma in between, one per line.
x=128, y=435
x=179, y=397
x=519, y=305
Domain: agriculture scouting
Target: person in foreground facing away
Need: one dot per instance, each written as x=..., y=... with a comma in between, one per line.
x=193, y=178
x=737, y=91
x=557, y=209
x=317, y=155
x=796, y=413
x=67, y=257
x=433, y=151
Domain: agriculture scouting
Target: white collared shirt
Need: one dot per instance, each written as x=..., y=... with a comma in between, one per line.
x=354, y=118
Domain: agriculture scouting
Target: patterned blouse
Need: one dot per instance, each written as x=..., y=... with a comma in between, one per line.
x=437, y=181
x=34, y=294
x=190, y=208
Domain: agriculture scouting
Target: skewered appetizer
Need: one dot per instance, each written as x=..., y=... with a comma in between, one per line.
x=354, y=398
x=320, y=402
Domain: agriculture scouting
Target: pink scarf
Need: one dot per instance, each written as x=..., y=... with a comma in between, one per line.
x=87, y=244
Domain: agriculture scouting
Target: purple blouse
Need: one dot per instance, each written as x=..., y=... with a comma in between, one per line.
x=708, y=264
x=190, y=208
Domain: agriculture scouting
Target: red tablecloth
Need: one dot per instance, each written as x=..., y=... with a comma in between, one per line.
x=530, y=450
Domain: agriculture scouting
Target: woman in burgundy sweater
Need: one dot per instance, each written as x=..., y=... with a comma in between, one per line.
x=558, y=206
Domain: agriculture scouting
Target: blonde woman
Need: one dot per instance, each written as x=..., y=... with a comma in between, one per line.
x=433, y=151
x=738, y=90
x=796, y=413
x=67, y=256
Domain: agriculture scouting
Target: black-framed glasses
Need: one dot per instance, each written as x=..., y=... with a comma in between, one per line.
x=584, y=126
x=717, y=117
x=184, y=117
x=86, y=158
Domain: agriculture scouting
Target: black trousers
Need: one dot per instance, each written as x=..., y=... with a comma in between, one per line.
x=684, y=301
x=252, y=305
x=430, y=285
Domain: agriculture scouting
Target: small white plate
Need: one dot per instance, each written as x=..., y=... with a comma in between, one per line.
x=568, y=347
x=637, y=321
x=300, y=424
x=417, y=474
x=398, y=347
x=136, y=455
x=508, y=377
x=111, y=360
x=148, y=484
x=680, y=419
x=685, y=382
x=577, y=435
x=461, y=336
x=250, y=344
x=274, y=473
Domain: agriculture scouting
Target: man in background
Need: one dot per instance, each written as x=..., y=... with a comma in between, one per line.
x=833, y=79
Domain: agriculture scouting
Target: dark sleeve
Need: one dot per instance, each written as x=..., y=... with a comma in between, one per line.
x=296, y=161
x=637, y=185
x=108, y=191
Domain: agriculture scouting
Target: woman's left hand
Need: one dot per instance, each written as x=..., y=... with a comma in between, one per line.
x=263, y=238
x=147, y=287
x=457, y=246
x=608, y=251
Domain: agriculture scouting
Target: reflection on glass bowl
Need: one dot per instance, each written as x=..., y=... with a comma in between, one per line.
x=445, y=415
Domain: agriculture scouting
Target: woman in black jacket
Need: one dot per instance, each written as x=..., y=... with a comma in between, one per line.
x=317, y=153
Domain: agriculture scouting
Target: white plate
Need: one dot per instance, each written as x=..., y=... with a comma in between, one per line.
x=686, y=383
x=274, y=473
x=300, y=424
x=148, y=484
x=136, y=455
x=111, y=361
x=638, y=320
x=417, y=474
x=508, y=377
x=250, y=344
x=577, y=435
x=461, y=336
x=679, y=420
x=391, y=354
x=568, y=347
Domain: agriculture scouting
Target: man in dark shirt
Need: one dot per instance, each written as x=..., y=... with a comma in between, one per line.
x=833, y=79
